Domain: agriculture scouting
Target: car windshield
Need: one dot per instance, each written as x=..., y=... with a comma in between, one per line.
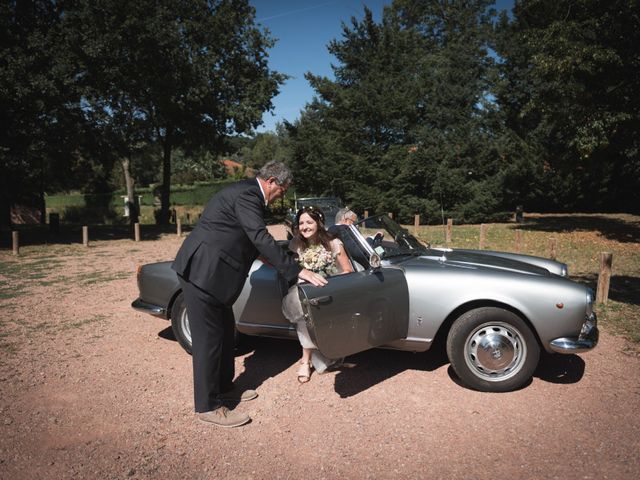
x=388, y=239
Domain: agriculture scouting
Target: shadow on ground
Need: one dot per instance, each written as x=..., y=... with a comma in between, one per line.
x=270, y=357
x=622, y=288
x=557, y=368
x=610, y=227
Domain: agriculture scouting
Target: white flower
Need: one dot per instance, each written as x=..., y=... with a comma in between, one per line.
x=318, y=259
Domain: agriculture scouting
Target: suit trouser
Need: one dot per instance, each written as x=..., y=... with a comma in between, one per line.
x=212, y=333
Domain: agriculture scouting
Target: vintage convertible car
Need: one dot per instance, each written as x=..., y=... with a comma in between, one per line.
x=496, y=310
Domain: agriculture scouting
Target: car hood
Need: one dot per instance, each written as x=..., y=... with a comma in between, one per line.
x=477, y=260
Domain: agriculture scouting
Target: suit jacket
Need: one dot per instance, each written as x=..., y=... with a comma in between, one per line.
x=229, y=236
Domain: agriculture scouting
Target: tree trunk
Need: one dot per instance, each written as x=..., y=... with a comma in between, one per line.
x=43, y=207
x=5, y=213
x=132, y=201
x=163, y=218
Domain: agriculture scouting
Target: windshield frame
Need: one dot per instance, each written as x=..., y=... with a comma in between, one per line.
x=396, y=241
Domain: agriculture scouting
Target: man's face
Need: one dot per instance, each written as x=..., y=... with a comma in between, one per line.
x=275, y=191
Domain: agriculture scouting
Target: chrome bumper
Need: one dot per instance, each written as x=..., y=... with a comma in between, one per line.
x=584, y=342
x=148, y=308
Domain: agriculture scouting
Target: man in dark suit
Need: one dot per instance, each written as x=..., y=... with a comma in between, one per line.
x=212, y=266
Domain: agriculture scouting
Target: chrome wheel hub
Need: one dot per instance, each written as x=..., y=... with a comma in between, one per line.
x=495, y=351
x=184, y=323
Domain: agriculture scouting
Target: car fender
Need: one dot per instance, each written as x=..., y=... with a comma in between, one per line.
x=553, y=305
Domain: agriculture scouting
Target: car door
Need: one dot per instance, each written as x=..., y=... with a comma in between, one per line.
x=357, y=311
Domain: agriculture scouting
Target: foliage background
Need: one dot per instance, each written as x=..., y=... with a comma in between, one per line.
x=442, y=108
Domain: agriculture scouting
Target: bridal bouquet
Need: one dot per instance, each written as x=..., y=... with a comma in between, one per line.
x=318, y=259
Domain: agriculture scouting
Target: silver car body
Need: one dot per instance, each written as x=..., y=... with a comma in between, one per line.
x=403, y=294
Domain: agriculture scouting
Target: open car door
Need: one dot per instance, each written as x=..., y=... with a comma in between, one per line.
x=357, y=311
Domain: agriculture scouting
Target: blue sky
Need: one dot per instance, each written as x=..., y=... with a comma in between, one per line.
x=303, y=29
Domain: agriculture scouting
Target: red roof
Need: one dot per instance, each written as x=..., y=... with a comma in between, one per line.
x=232, y=167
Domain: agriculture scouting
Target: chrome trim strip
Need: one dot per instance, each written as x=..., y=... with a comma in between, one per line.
x=269, y=326
x=418, y=339
x=145, y=307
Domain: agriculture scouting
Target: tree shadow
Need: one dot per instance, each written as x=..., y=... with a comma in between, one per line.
x=622, y=288
x=610, y=227
x=625, y=289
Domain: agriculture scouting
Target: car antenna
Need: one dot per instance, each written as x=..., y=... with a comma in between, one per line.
x=443, y=258
x=444, y=227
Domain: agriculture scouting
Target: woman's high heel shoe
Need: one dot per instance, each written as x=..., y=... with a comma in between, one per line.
x=304, y=372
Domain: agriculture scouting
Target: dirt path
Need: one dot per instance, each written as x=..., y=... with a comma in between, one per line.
x=91, y=389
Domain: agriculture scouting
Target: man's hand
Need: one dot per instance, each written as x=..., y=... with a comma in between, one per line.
x=312, y=278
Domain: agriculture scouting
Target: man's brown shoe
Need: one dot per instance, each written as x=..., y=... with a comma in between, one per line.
x=238, y=395
x=223, y=417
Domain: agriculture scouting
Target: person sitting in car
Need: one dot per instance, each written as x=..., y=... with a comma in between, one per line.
x=321, y=253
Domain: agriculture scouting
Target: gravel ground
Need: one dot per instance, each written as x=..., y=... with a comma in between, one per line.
x=90, y=388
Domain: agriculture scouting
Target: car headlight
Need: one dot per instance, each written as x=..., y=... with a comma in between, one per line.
x=590, y=298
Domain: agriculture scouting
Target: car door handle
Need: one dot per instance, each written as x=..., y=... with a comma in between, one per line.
x=318, y=300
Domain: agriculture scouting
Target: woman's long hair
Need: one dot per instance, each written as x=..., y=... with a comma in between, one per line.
x=316, y=213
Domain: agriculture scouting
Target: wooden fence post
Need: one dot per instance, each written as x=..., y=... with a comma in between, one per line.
x=366, y=214
x=136, y=231
x=85, y=235
x=553, y=248
x=179, y=226
x=54, y=223
x=518, y=240
x=604, y=278
x=416, y=223
x=15, y=239
x=483, y=236
x=449, y=230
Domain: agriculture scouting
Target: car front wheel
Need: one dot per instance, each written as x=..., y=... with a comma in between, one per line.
x=492, y=350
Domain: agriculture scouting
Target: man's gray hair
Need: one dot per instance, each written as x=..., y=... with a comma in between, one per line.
x=344, y=213
x=340, y=214
x=277, y=170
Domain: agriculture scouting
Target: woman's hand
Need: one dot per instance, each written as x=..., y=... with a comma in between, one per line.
x=312, y=278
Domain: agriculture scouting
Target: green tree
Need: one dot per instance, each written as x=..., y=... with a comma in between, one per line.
x=196, y=166
x=570, y=76
x=267, y=147
x=43, y=134
x=178, y=73
x=406, y=123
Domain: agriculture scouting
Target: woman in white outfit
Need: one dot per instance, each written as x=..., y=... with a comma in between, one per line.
x=319, y=251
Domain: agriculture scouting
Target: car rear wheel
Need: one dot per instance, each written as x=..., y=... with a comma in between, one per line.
x=492, y=350
x=180, y=323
